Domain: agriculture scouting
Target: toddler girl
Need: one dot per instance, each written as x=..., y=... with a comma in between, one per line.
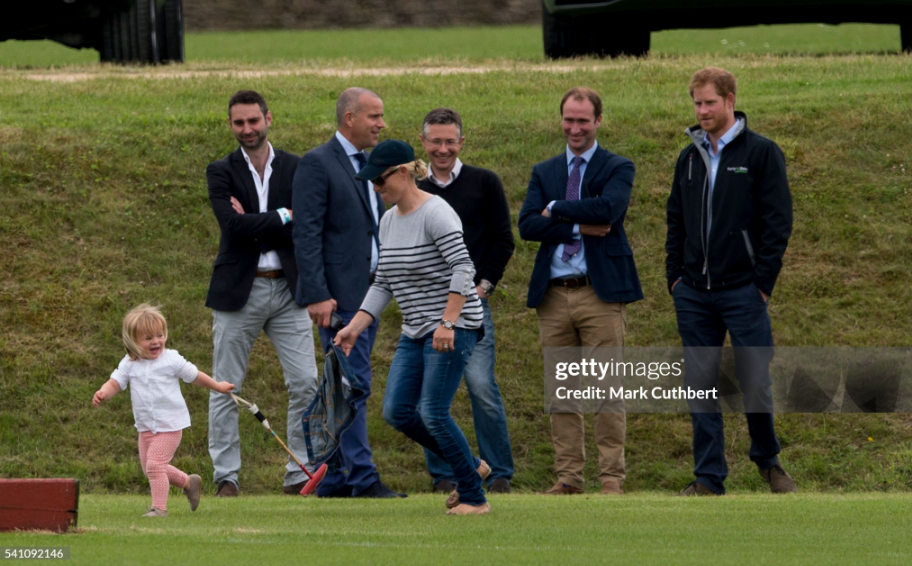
x=158, y=406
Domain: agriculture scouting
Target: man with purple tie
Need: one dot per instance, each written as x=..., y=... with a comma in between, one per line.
x=584, y=275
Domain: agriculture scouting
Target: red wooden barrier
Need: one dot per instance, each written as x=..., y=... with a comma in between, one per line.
x=43, y=504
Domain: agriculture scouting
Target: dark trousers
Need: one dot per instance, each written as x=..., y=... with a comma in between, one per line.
x=358, y=471
x=703, y=319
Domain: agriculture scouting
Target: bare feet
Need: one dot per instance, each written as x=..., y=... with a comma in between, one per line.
x=466, y=509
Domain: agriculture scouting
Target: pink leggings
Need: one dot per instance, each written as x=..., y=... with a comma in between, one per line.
x=155, y=453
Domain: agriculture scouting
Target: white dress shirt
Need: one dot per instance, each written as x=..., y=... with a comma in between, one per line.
x=269, y=261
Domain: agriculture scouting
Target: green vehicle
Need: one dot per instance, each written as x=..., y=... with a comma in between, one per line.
x=573, y=28
x=123, y=31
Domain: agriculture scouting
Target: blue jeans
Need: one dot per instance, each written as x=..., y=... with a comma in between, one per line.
x=419, y=390
x=358, y=470
x=703, y=319
x=488, y=412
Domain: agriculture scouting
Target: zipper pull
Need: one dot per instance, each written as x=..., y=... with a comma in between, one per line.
x=690, y=163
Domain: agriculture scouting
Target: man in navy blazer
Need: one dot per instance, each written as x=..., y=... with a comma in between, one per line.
x=252, y=286
x=583, y=277
x=336, y=240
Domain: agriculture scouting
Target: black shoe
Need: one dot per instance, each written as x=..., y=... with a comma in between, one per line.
x=344, y=491
x=294, y=489
x=379, y=491
x=444, y=486
x=226, y=489
x=499, y=485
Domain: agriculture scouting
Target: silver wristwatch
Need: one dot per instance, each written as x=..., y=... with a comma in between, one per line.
x=448, y=324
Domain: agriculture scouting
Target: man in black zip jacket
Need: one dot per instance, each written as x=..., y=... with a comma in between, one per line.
x=729, y=222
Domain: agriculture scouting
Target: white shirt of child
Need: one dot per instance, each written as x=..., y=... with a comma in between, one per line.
x=158, y=405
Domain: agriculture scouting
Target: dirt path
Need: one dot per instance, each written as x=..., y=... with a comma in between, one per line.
x=170, y=73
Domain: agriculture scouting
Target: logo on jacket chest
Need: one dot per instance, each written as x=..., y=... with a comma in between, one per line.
x=736, y=170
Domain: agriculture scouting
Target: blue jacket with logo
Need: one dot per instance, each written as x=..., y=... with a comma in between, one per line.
x=751, y=214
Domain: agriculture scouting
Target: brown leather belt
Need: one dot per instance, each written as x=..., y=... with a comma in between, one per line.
x=571, y=283
x=274, y=274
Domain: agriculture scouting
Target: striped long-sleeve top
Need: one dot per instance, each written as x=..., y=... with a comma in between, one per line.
x=422, y=260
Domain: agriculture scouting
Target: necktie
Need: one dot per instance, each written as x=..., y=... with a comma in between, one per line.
x=362, y=161
x=573, y=188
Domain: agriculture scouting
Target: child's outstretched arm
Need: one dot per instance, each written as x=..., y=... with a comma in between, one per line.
x=108, y=390
x=204, y=380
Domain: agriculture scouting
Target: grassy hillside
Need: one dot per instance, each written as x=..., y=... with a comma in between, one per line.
x=105, y=207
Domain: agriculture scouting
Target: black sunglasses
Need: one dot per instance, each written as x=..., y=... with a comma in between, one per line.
x=381, y=180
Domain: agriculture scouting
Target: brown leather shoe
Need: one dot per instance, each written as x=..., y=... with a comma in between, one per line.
x=484, y=470
x=499, y=485
x=779, y=480
x=293, y=489
x=226, y=489
x=561, y=488
x=695, y=489
x=611, y=487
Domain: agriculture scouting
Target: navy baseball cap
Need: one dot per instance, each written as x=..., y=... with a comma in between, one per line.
x=387, y=154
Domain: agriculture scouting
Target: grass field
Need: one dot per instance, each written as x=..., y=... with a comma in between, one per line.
x=522, y=529
x=448, y=45
x=105, y=207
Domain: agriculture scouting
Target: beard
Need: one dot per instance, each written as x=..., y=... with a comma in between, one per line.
x=253, y=143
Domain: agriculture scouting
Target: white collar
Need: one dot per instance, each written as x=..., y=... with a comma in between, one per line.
x=268, y=160
x=454, y=173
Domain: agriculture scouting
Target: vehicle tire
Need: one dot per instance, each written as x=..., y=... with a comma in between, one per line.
x=130, y=36
x=171, y=32
x=601, y=35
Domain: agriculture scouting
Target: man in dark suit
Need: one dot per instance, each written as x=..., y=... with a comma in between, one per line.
x=337, y=248
x=584, y=275
x=252, y=286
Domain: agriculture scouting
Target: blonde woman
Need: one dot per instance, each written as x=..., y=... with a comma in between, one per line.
x=425, y=266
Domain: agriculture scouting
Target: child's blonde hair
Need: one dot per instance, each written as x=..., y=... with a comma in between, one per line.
x=145, y=319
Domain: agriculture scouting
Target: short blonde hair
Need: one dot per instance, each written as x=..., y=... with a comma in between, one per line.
x=417, y=169
x=145, y=319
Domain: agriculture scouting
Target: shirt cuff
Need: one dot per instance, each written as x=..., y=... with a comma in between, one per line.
x=283, y=214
